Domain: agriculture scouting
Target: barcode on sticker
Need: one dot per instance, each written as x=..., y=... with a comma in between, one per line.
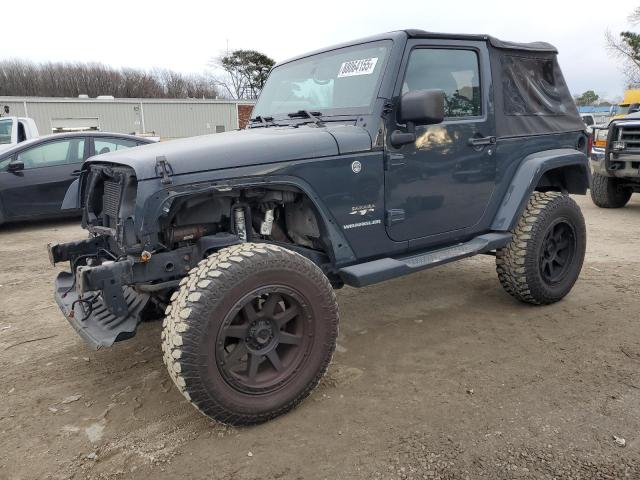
x=364, y=66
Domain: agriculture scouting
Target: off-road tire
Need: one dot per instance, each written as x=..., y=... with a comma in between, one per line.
x=518, y=264
x=195, y=317
x=606, y=192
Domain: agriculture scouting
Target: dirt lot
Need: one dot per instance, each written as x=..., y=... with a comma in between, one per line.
x=437, y=375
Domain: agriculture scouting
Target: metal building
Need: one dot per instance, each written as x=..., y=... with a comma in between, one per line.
x=166, y=118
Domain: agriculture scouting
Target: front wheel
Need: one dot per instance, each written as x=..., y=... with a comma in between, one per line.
x=250, y=332
x=543, y=260
x=608, y=192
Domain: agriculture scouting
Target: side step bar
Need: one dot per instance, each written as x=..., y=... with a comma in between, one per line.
x=368, y=273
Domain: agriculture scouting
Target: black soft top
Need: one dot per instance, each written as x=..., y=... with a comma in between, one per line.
x=530, y=94
x=493, y=41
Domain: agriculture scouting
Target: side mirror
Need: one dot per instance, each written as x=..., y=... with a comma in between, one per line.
x=15, y=166
x=420, y=107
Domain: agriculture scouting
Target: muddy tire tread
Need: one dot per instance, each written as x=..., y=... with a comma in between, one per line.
x=511, y=261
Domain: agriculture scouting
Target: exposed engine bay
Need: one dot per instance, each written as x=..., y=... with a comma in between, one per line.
x=285, y=216
x=275, y=214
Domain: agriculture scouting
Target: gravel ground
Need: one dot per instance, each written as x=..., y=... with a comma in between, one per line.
x=437, y=375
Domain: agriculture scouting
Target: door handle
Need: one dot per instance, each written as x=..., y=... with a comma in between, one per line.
x=482, y=141
x=76, y=173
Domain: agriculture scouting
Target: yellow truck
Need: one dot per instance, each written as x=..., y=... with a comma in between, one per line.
x=630, y=103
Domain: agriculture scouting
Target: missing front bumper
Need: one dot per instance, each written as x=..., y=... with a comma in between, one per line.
x=89, y=316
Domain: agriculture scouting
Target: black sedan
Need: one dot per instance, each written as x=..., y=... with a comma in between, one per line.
x=35, y=175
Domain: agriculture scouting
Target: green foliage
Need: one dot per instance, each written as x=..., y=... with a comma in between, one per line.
x=248, y=70
x=632, y=42
x=587, y=98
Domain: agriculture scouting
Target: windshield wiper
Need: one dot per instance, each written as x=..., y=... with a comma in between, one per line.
x=313, y=116
x=265, y=121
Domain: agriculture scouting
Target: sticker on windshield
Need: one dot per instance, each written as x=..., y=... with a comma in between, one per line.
x=364, y=66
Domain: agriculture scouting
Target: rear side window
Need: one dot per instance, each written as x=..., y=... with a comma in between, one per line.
x=106, y=145
x=53, y=153
x=456, y=72
x=531, y=86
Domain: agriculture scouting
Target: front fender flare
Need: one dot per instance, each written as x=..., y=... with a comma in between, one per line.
x=528, y=176
x=72, y=197
x=341, y=251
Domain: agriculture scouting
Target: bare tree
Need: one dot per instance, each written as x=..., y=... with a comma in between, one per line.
x=64, y=79
x=626, y=47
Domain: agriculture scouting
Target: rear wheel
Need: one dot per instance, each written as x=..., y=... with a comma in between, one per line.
x=250, y=332
x=608, y=192
x=543, y=260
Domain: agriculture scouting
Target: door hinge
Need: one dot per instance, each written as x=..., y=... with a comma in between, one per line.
x=394, y=215
x=393, y=160
x=163, y=169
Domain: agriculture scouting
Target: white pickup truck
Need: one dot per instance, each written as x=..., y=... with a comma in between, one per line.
x=14, y=130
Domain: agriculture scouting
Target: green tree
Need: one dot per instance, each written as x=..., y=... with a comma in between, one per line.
x=587, y=98
x=246, y=71
x=626, y=46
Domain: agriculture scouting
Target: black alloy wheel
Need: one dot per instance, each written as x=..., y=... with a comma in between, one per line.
x=558, y=251
x=265, y=339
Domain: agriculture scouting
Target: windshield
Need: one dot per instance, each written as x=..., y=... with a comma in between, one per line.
x=5, y=130
x=339, y=82
x=627, y=109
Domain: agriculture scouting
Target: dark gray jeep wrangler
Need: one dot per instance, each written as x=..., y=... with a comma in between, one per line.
x=364, y=162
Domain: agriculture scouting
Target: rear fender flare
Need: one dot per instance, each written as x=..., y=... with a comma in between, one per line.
x=562, y=169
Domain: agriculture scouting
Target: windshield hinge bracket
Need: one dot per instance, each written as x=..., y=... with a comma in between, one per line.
x=163, y=168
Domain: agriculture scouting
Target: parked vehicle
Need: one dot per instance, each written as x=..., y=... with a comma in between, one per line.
x=364, y=162
x=14, y=130
x=630, y=104
x=36, y=174
x=589, y=121
x=615, y=159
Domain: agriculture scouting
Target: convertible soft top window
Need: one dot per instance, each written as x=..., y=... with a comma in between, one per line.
x=532, y=96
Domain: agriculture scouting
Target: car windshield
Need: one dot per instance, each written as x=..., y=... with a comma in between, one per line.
x=5, y=130
x=339, y=82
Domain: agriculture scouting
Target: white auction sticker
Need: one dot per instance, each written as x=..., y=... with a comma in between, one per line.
x=364, y=66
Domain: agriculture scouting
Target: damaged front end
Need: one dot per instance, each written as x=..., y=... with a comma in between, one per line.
x=105, y=299
x=129, y=266
x=113, y=281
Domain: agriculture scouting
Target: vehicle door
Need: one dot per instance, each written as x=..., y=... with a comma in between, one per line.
x=442, y=182
x=34, y=181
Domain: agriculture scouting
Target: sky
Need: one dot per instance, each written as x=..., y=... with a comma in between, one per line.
x=185, y=35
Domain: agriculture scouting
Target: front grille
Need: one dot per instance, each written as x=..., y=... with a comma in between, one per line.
x=630, y=135
x=111, y=199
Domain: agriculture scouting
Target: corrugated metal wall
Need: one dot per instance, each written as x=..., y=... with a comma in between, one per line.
x=185, y=120
x=165, y=118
